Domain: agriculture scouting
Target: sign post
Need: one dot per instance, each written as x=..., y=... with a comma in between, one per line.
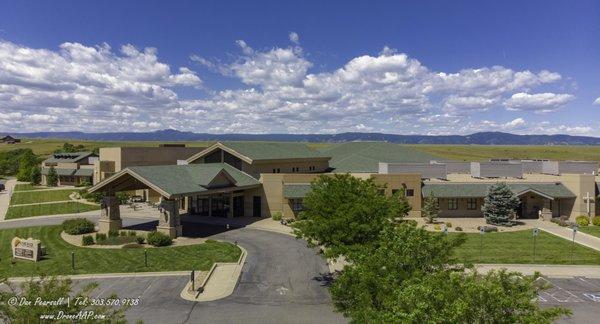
x=575, y=228
x=536, y=231
x=481, y=232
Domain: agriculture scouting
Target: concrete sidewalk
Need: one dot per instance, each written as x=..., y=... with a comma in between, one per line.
x=548, y=270
x=567, y=234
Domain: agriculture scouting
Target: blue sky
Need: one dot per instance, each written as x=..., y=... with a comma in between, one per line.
x=418, y=67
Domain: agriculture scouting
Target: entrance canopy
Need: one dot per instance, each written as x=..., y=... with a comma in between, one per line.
x=175, y=181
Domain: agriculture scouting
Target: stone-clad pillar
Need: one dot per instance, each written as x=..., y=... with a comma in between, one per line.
x=110, y=216
x=169, y=222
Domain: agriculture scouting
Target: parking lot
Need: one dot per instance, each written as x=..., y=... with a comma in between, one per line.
x=581, y=295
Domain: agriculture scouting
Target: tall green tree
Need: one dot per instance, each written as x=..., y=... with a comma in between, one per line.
x=52, y=177
x=343, y=213
x=35, y=177
x=410, y=276
x=27, y=161
x=499, y=204
x=431, y=208
x=53, y=289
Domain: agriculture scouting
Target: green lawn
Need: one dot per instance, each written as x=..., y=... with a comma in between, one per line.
x=48, y=209
x=592, y=230
x=40, y=196
x=27, y=186
x=89, y=260
x=517, y=247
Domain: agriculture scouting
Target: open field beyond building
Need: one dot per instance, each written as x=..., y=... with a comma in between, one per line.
x=485, y=152
x=517, y=247
x=70, y=207
x=88, y=260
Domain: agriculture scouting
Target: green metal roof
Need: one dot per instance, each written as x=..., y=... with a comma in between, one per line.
x=274, y=150
x=476, y=190
x=84, y=172
x=295, y=190
x=60, y=172
x=67, y=157
x=192, y=178
x=365, y=156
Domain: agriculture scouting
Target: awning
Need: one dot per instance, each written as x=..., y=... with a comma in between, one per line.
x=479, y=190
x=60, y=172
x=296, y=190
x=84, y=172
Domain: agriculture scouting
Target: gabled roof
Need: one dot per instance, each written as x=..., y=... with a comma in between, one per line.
x=365, y=156
x=68, y=157
x=478, y=190
x=257, y=151
x=180, y=180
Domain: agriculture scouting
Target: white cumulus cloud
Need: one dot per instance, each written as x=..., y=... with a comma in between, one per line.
x=539, y=102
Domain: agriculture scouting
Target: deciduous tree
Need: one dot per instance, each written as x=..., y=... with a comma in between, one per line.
x=343, y=212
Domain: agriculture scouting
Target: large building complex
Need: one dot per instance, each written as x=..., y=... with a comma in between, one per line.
x=235, y=179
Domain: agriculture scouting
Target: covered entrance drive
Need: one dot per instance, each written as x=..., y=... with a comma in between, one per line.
x=212, y=189
x=541, y=200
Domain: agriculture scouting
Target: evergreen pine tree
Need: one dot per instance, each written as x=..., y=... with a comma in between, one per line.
x=499, y=204
x=52, y=177
x=35, y=176
x=431, y=208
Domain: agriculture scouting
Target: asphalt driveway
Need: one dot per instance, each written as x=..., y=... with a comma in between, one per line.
x=282, y=281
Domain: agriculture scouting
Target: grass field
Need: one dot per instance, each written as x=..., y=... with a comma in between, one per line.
x=33, y=197
x=27, y=186
x=88, y=260
x=45, y=147
x=48, y=209
x=517, y=247
x=484, y=152
x=592, y=230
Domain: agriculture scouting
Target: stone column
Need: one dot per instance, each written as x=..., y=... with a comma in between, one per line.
x=230, y=211
x=169, y=222
x=110, y=216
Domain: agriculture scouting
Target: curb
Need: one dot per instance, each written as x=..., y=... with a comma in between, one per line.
x=197, y=297
x=107, y=275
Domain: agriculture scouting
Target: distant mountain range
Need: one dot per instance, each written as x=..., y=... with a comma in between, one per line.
x=482, y=138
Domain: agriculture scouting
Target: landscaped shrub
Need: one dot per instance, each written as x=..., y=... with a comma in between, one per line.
x=113, y=233
x=411, y=222
x=78, y=226
x=159, y=239
x=582, y=220
x=100, y=237
x=437, y=227
x=87, y=240
x=277, y=216
x=458, y=229
x=140, y=239
x=448, y=224
x=596, y=220
x=131, y=233
x=124, y=234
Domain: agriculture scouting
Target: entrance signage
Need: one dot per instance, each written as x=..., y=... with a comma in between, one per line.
x=27, y=249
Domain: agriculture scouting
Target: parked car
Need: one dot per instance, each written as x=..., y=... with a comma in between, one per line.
x=2, y=186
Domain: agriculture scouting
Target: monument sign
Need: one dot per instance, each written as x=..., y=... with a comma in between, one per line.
x=27, y=249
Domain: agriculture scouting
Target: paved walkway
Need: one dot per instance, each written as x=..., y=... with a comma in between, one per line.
x=554, y=271
x=567, y=233
x=5, y=197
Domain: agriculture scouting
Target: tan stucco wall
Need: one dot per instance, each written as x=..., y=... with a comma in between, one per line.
x=260, y=167
x=580, y=185
x=462, y=210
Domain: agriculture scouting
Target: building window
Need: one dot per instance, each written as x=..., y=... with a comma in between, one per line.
x=311, y=168
x=295, y=169
x=452, y=204
x=276, y=170
x=381, y=191
x=471, y=204
x=395, y=191
x=297, y=205
x=410, y=192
